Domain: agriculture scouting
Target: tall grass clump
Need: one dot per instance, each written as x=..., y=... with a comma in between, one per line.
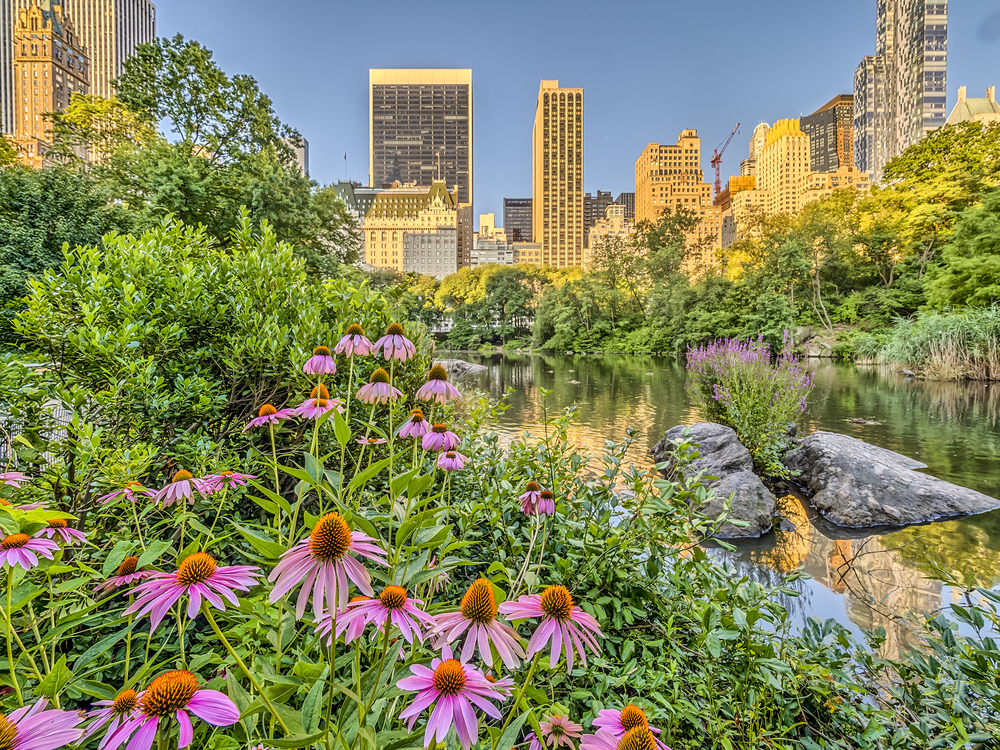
x=947, y=346
x=739, y=384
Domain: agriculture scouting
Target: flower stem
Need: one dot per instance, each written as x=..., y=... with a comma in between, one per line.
x=206, y=610
x=10, y=632
x=517, y=698
x=332, y=677
x=222, y=501
x=138, y=530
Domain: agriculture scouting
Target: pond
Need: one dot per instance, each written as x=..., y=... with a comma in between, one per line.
x=863, y=580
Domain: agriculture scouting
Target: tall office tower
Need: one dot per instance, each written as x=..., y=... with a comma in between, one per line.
x=557, y=175
x=420, y=128
x=49, y=67
x=517, y=219
x=900, y=93
x=464, y=235
x=628, y=201
x=670, y=178
x=593, y=210
x=831, y=134
x=781, y=165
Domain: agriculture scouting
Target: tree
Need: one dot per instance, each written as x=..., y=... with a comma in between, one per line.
x=8, y=154
x=95, y=128
x=969, y=272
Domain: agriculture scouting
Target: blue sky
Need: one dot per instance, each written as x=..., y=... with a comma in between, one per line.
x=648, y=69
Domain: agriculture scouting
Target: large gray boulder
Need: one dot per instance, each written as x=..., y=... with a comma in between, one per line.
x=855, y=484
x=722, y=455
x=459, y=368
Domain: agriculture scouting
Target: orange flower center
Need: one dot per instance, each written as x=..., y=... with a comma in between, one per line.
x=320, y=391
x=129, y=566
x=438, y=373
x=266, y=410
x=4, y=502
x=361, y=598
x=449, y=454
x=532, y=487
x=417, y=415
x=557, y=602
x=395, y=329
x=330, y=538
x=181, y=475
x=8, y=733
x=57, y=523
x=479, y=604
x=440, y=429
x=639, y=738
x=169, y=693
x=379, y=376
x=125, y=703
x=196, y=568
x=133, y=484
x=449, y=677
x=321, y=351
x=393, y=597
x=632, y=717
x=14, y=541
x=355, y=330
x=546, y=495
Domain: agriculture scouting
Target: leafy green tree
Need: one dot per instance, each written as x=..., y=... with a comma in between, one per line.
x=8, y=154
x=969, y=272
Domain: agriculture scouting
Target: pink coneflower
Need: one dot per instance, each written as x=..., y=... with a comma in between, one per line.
x=199, y=577
x=478, y=615
x=127, y=573
x=322, y=563
x=355, y=342
x=414, y=427
x=171, y=696
x=113, y=714
x=529, y=500
x=451, y=461
x=21, y=549
x=440, y=439
x=59, y=527
x=37, y=728
x=393, y=606
x=378, y=389
x=370, y=441
x=395, y=345
x=268, y=415
x=557, y=731
x=320, y=363
x=504, y=685
x=619, y=723
x=560, y=626
x=440, y=580
x=128, y=492
x=13, y=478
x=182, y=487
x=437, y=388
x=546, y=503
x=456, y=689
x=231, y=479
x=315, y=408
x=637, y=738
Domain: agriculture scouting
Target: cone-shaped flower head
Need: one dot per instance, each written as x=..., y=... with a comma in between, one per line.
x=323, y=563
x=416, y=426
x=21, y=549
x=182, y=487
x=564, y=625
x=437, y=388
x=37, y=728
x=113, y=713
x=478, y=616
x=59, y=528
x=558, y=731
x=395, y=345
x=618, y=723
x=451, y=461
x=378, y=389
x=440, y=438
x=128, y=572
x=529, y=499
x=320, y=363
x=455, y=689
x=355, y=342
x=316, y=407
x=130, y=491
x=217, y=482
x=269, y=415
x=393, y=606
x=198, y=576
x=546, y=503
x=637, y=738
x=172, y=695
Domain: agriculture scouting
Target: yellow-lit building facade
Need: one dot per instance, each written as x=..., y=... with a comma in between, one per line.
x=557, y=175
x=821, y=184
x=50, y=65
x=669, y=178
x=614, y=224
x=412, y=229
x=781, y=166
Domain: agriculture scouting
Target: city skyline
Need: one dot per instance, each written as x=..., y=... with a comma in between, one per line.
x=638, y=90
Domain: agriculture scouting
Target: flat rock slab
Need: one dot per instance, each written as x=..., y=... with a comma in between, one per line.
x=857, y=485
x=459, y=368
x=722, y=455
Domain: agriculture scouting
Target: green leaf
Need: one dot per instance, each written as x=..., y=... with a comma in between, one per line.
x=297, y=740
x=152, y=553
x=341, y=429
x=364, y=476
x=312, y=705
x=509, y=738
x=265, y=546
x=55, y=680
x=116, y=556
x=101, y=647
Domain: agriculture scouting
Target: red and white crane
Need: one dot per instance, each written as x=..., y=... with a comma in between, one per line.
x=717, y=159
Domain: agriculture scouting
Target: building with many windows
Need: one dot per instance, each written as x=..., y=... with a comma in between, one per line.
x=517, y=219
x=831, y=134
x=782, y=164
x=614, y=225
x=593, y=210
x=420, y=128
x=492, y=245
x=627, y=200
x=900, y=92
x=557, y=207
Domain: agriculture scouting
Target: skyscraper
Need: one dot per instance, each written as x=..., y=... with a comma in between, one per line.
x=594, y=207
x=557, y=175
x=900, y=92
x=517, y=219
x=831, y=134
x=420, y=128
x=107, y=30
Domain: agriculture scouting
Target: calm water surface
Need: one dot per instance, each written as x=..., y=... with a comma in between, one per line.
x=862, y=579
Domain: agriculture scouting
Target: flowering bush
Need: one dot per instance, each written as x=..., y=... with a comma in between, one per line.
x=739, y=384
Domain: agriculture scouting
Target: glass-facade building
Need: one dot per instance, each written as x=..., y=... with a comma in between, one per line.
x=517, y=219
x=831, y=134
x=420, y=128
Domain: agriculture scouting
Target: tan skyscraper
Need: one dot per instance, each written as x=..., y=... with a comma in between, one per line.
x=49, y=67
x=557, y=175
x=781, y=166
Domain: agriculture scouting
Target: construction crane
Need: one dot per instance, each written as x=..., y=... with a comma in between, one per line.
x=717, y=159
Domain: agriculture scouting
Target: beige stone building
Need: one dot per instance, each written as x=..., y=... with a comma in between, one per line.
x=50, y=65
x=671, y=178
x=818, y=185
x=975, y=109
x=557, y=218
x=781, y=166
x=413, y=229
x=614, y=224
